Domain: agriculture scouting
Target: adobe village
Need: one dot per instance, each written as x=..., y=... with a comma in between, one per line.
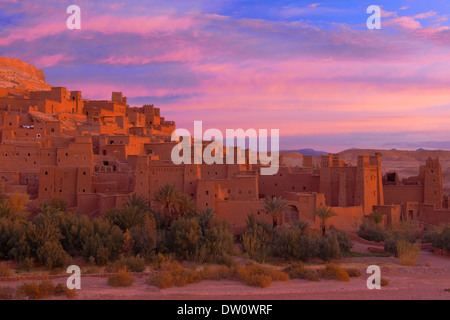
x=92, y=183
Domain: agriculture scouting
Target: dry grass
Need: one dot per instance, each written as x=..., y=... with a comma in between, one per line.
x=122, y=279
x=332, y=271
x=298, y=271
x=384, y=282
x=5, y=271
x=408, y=253
x=62, y=290
x=252, y=275
x=353, y=273
x=36, y=291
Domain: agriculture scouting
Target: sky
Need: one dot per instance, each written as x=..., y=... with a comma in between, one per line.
x=311, y=69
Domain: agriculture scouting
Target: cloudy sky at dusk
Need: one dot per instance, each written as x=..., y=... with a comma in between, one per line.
x=311, y=69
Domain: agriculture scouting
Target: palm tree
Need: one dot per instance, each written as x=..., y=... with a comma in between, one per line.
x=186, y=206
x=132, y=213
x=205, y=217
x=324, y=213
x=274, y=206
x=167, y=199
x=377, y=217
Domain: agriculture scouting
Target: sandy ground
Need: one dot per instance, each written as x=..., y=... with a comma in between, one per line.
x=426, y=280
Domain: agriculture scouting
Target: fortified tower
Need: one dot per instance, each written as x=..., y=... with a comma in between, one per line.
x=433, y=191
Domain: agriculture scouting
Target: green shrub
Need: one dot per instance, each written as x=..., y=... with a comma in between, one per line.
x=122, y=279
x=135, y=264
x=184, y=236
x=256, y=239
x=439, y=236
x=145, y=238
x=310, y=246
x=101, y=241
x=344, y=241
x=286, y=243
x=217, y=241
x=329, y=248
x=40, y=241
x=390, y=245
x=372, y=232
x=406, y=231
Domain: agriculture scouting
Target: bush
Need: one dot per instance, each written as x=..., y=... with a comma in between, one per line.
x=353, y=273
x=135, y=264
x=390, y=245
x=344, y=241
x=258, y=280
x=408, y=253
x=329, y=248
x=101, y=241
x=406, y=231
x=122, y=279
x=36, y=291
x=439, y=236
x=216, y=273
x=298, y=271
x=286, y=243
x=174, y=275
x=184, y=236
x=5, y=271
x=145, y=238
x=256, y=239
x=46, y=287
x=41, y=242
x=252, y=275
x=162, y=280
x=332, y=271
x=371, y=231
x=216, y=242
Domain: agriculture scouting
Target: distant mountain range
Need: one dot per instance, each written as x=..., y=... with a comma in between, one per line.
x=308, y=152
x=314, y=153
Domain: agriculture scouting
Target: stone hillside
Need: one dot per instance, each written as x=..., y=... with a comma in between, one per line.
x=15, y=73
